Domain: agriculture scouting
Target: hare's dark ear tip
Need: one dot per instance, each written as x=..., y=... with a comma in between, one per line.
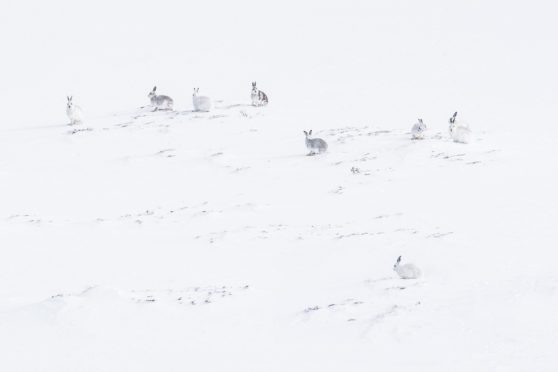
x=398, y=258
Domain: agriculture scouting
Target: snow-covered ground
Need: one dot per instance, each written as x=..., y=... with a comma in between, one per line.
x=178, y=241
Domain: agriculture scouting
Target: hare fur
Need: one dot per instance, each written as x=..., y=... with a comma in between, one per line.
x=314, y=145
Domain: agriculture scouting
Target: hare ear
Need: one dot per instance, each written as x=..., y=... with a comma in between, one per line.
x=305, y=132
x=454, y=114
x=154, y=88
x=399, y=259
x=310, y=133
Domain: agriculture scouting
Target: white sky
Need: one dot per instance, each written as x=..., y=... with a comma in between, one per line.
x=494, y=59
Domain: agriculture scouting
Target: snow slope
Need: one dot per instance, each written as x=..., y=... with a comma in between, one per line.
x=180, y=241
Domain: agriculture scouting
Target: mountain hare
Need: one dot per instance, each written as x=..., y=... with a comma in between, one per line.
x=407, y=271
x=314, y=145
x=160, y=102
x=459, y=132
x=201, y=103
x=259, y=98
x=418, y=130
x=74, y=112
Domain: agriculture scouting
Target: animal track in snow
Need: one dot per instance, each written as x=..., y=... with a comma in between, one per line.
x=339, y=190
x=439, y=235
x=79, y=130
x=188, y=296
x=344, y=236
x=157, y=213
x=169, y=153
x=366, y=313
x=201, y=295
x=27, y=218
x=379, y=300
x=443, y=155
x=348, y=133
x=407, y=230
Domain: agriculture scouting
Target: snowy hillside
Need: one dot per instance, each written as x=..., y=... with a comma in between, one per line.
x=209, y=241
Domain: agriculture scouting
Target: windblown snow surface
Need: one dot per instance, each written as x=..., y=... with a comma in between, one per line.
x=184, y=241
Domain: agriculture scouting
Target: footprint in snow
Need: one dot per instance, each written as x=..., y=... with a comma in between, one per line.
x=79, y=130
x=189, y=296
x=168, y=153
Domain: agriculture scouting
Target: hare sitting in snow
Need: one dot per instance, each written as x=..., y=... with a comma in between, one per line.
x=259, y=98
x=407, y=271
x=418, y=130
x=314, y=145
x=160, y=102
x=201, y=103
x=74, y=112
x=459, y=132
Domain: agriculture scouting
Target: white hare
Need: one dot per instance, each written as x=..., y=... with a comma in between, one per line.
x=407, y=271
x=418, y=130
x=160, y=102
x=459, y=131
x=74, y=112
x=201, y=103
x=314, y=145
x=259, y=98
